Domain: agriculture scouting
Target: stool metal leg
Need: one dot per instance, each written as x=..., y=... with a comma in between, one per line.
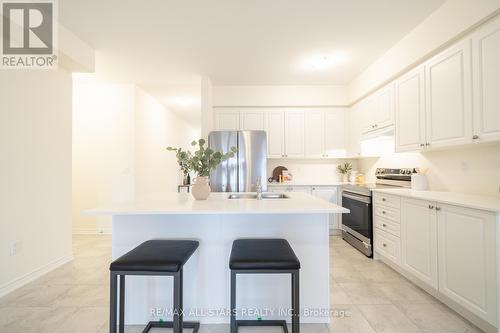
x=295, y=302
x=112, y=303
x=178, y=316
x=233, y=328
x=122, y=304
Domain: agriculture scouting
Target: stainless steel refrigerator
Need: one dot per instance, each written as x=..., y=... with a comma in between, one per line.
x=242, y=172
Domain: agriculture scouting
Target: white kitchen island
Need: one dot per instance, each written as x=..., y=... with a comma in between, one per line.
x=301, y=219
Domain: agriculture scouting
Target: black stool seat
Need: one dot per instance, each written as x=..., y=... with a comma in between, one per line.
x=156, y=256
x=257, y=254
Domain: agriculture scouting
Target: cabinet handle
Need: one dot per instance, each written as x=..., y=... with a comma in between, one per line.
x=422, y=145
x=427, y=144
x=383, y=199
x=475, y=137
x=438, y=208
x=431, y=207
x=384, y=225
x=326, y=155
x=383, y=212
x=384, y=245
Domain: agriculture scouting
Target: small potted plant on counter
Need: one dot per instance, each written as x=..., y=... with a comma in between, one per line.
x=344, y=169
x=202, y=161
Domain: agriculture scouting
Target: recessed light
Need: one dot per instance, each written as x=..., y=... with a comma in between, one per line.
x=325, y=62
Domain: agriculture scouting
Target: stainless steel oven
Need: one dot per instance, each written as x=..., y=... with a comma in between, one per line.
x=357, y=226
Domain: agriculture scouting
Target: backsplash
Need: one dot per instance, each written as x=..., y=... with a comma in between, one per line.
x=473, y=170
x=310, y=171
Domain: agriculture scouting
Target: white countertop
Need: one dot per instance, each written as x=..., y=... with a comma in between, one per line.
x=218, y=203
x=300, y=183
x=483, y=202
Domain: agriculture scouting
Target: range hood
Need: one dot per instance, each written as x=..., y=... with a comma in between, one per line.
x=378, y=143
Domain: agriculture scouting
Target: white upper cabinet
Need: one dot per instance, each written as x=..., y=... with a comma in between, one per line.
x=227, y=120
x=275, y=133
x=385, y=113
x=449, y=97
x=367, y=109
x=315, y=133
x=252, y=120
x=410, y=111
x=419, y=240
x=294, y=133
x=353, y=130
x=335, y=133
x=378, y=109
x=467, y=260
x=325, y=133
x=486, y=69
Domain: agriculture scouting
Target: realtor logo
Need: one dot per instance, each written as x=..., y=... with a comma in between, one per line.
x=28, y=34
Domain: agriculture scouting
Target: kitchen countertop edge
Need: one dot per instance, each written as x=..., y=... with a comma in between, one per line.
x=481, y=202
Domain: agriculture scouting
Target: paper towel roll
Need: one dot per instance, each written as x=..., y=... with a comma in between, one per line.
x=419, y=182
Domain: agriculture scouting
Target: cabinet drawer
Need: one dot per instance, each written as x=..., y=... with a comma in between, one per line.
x=388, y=213
x=388, y=200
x=388, y=226
x=388, y=246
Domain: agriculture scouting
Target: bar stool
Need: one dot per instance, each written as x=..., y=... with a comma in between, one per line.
x=153, y=257
x=264, y=256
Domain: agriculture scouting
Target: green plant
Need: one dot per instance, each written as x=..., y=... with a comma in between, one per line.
x=182, y=159
x=203, y=160
x=344, y=168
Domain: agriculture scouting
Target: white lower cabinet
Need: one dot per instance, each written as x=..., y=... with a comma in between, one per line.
x=419, y=240
x=449, y=248
x=388, y=245
x=467, y=260
x=330, y=194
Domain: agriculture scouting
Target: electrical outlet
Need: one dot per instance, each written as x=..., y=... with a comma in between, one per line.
x=15, y=248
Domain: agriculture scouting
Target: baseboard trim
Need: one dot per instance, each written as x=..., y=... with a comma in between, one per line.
x=91, y=231
x=17, y=283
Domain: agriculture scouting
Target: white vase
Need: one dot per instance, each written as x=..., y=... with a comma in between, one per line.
x=345, y=178
x=201, y=190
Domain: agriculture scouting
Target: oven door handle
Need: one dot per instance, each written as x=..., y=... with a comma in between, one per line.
x=357, y=197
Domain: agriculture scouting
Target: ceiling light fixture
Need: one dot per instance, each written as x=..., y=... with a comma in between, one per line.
x=325, y=62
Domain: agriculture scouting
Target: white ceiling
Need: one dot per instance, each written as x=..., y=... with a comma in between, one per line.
x=159, y=43
x=239, y=41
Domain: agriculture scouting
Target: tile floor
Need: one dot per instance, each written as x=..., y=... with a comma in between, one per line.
x=368, y=296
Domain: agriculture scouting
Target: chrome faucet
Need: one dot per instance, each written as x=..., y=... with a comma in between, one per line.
x=258, y=189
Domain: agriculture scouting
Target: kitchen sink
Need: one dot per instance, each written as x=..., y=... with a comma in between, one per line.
x=254, y=196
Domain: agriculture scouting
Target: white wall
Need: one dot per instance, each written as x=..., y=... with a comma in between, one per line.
x=207, y=110
x=119, y=135
x=156, y=170
x=474, y=170
x=280, y=96
x=103, y=148
x=451, y=20
x=313, y=172
x=35, y=169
